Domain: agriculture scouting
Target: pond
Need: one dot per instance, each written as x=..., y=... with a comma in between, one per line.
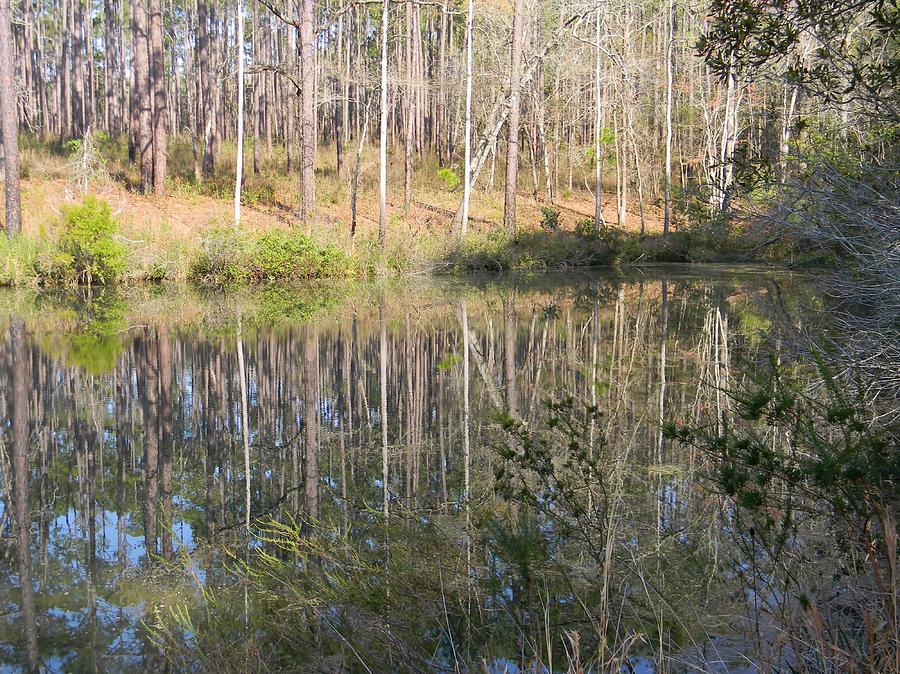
x=144, y=431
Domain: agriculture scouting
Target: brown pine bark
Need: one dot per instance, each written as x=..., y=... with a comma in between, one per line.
x=257, y=81
x=110, y=68
x=160, y=104
x=141, y=100
x=65, y=99
x=441, y=106
x=78, y=101
x=289, y=106
x=206, y=87
x=307, y=111
x=9, y=123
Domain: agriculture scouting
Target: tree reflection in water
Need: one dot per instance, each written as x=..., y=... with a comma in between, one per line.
x=152, y=442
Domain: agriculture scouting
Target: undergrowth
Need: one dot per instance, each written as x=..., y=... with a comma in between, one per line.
x=227, y=257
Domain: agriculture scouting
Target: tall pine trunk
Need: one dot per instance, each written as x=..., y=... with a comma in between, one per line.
x=78, y=106
x=307, y=112
x=239, y=112
x=141, y=98
x=160, y=104
x=512, y=147
x=467, y=162
x=110, y=67
x=206, y=86
x=9, y=123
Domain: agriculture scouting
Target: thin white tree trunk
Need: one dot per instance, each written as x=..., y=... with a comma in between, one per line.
x=467, y=181
x=382, y=138
x=598, y=128
x=239, y=161
x=667, y=216
x=382, y=365
x=467, y=459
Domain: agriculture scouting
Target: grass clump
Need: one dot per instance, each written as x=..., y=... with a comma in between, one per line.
x=531, y=251
x=18, y=260
x=221, y=258
x=229, y=257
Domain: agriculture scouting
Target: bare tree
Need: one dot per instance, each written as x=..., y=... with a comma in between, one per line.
x=670, y=45
x=598, y=121
x=467, y=164
x=512, y=139
x=382, y=135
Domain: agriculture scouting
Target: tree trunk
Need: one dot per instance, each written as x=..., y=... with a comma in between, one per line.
x=78, y=111
x=290, y=108
x=467, y=163
x=141, y=97
x=667, y=215
x=311, y=421
x=9, y=123
x=598, y=126
x=65, y=98
x=110, y=68
x=382, y=142
x=239, y=160
x=441, y=105
x=512, y=148
x=160, y=104
x=409, y=108
x=206, y=86
x=256, y=79
x=19, y=461
x=307, y=112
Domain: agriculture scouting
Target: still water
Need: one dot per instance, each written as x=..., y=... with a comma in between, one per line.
x=143, y=431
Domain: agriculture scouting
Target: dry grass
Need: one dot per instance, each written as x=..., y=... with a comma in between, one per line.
x=270, y=198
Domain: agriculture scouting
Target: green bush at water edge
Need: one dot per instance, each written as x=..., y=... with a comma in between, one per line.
x=226, y=257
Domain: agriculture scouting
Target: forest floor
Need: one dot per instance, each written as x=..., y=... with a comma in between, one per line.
x=172, y=238
x=270, y=200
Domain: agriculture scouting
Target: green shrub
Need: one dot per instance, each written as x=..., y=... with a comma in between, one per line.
x=87, y=252
x=228, y=257
x=450, y=178
x=585, y=228
x=259, y=191
x=549, y=218
x=285, y=255
x=221, y=258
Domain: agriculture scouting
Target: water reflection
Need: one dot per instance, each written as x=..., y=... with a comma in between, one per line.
x=132, y=436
